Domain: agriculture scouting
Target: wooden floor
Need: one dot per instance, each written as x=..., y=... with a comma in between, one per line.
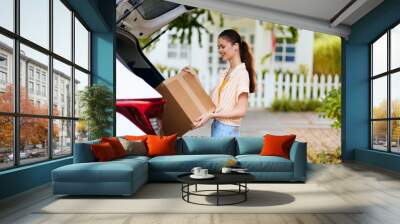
x=377, y=188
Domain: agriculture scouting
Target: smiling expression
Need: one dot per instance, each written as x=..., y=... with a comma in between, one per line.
x=226, y=49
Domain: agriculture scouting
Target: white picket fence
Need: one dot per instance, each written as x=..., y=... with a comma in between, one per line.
x=271, y=87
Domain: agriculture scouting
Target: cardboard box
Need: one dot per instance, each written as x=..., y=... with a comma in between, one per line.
x=186, y=100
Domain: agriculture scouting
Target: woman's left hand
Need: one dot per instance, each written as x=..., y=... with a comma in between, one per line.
x=200, y=121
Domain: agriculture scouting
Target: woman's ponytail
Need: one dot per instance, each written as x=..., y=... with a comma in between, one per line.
x=247, y=57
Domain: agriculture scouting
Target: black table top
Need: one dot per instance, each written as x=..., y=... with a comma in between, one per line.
x=220, y=178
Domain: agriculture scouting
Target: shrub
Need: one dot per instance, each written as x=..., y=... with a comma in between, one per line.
x=97, y=103
x=324, y=157
x=286, y=105
x=331, y=107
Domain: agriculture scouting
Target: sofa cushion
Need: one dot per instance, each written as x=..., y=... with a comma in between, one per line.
x=249, y=145
x=111, y=171
x=257, y=163
x=185, y=163
x=132, y=158
x=191, y=145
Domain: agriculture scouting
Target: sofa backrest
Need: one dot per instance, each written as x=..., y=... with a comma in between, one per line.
x=249, y=145
x=83, y=152
x=192, y=145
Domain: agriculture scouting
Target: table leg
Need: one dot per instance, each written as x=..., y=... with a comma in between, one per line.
x=182, y=189
x=196, y=188
x=245, y=193
x=188, y=190
x=217, y=194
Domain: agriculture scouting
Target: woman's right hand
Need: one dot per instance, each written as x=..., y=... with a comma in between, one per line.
x=189, y=70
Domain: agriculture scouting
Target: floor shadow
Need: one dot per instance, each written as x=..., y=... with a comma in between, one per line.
x=255, y=198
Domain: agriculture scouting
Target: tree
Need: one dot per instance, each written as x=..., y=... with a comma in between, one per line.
x=327, y=54
x=33, y=130
x=184, y=26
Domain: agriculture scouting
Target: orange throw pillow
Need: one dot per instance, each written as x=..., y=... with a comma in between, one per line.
x=135, y=138
x=116, y=145
x=103, y=151
x=161, y=145
x=277, y=145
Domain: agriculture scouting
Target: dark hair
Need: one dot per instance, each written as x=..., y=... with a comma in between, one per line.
x=245, y=54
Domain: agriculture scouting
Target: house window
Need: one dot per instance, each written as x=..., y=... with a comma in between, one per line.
x=37, y=74
x=3, y=61
x=39, y=44
x=252, y=39
x=385, y=97
x=43, y=77
x=3, y=78
x=284, y=51
x=177, y=49
x=30, y=87
x=44, y=91
x=38, y=89
x=3, y=70
x=30, y=72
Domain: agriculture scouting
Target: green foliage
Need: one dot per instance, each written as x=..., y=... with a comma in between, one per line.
x=287, y=105
x=163, y=69
x=144, y=41
x=303, y=69
x=331, y=107
x=185, y=25
x=327, y=54
x=324, y=157
x=265, y=57
x=283, y=30
x=97, y=103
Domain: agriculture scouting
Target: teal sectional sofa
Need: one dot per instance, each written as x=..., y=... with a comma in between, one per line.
x=125, y=176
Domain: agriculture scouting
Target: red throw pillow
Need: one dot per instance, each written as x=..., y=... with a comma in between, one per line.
x=116, y=145
x=277, y=145
x=103, y=151
x=161, y=145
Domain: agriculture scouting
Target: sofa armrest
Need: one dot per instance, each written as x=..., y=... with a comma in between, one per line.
x=298, y=155
x=83, y=152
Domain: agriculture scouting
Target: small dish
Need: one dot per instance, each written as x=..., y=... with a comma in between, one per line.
x=208, y=176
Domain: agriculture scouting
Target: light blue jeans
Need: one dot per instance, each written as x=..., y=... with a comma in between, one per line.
x=219, y=129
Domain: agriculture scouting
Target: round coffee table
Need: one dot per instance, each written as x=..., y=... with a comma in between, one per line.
x=238, y=179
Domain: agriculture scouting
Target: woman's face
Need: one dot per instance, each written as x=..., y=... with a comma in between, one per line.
x=226, y=49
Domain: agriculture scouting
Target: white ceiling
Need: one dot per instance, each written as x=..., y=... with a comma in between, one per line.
x=315, y=15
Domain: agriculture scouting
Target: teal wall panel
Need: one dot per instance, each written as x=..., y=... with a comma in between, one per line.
x=356, y=96
x=24, y=178
x=376, y=158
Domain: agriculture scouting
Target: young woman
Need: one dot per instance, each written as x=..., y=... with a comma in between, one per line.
x=232, y=91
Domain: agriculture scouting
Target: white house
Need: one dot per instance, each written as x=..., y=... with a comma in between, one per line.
x=287, y=57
